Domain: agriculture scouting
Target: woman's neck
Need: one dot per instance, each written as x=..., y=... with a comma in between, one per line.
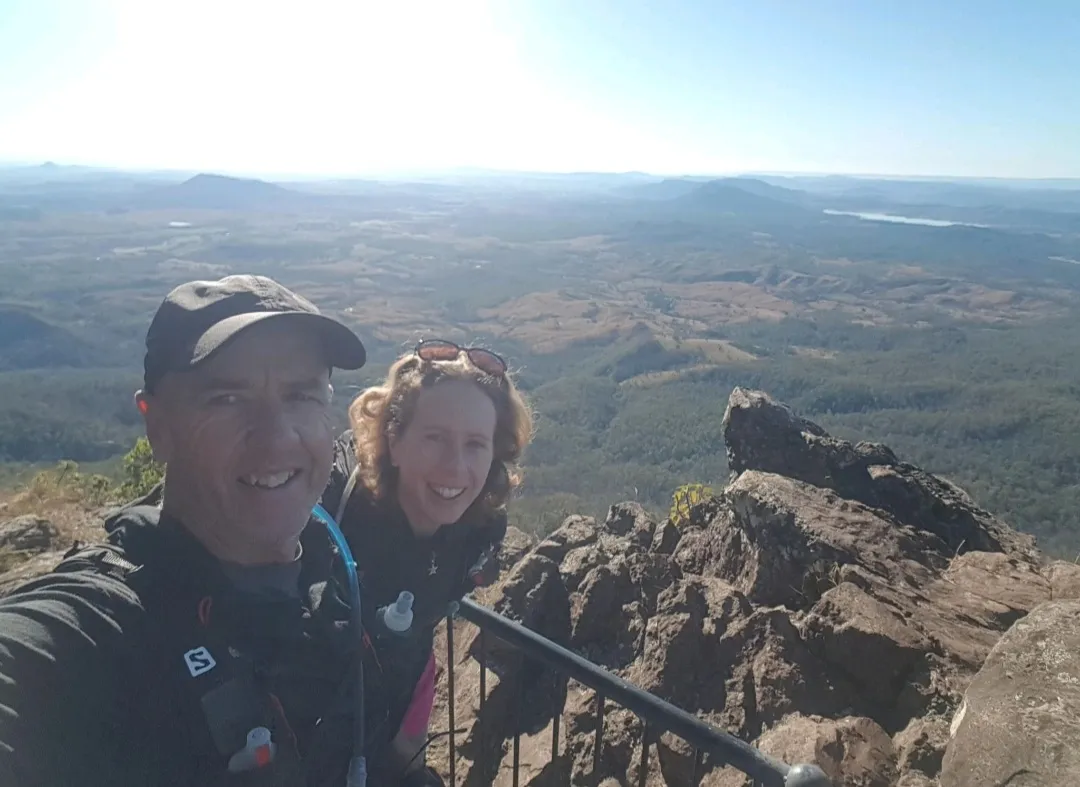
x=420, y=526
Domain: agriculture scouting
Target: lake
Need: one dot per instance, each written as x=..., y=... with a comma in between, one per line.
x=890, y=217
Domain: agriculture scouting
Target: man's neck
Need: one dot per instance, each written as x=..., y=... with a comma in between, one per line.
x=221, y=542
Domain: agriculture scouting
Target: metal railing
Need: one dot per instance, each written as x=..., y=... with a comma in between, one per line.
x=657, y=716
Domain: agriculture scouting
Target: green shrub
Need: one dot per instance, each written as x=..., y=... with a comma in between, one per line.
x=685, y=498
x=140, y=472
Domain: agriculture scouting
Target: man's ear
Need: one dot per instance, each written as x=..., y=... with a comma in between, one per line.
x=156, y=433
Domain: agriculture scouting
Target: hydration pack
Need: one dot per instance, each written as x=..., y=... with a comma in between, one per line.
x=227, y=713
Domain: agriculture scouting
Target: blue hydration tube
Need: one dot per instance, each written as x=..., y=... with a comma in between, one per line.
x=357, y=776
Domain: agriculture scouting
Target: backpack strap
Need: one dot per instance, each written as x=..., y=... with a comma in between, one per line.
x=217, y=691
x=354, y=476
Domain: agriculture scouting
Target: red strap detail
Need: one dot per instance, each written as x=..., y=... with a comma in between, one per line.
x=262, y=755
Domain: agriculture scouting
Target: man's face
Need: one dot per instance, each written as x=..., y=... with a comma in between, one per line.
x=248, y=440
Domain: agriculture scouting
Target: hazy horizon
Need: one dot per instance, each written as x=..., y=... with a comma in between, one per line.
x=910, y=90
x=466, y=170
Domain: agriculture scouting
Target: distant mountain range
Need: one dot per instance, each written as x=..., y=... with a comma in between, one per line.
x=739, y=196
x=220, y=192
x=1049, y=205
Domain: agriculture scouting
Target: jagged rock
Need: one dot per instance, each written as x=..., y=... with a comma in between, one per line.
x=921, y=745
x=28, y=533
x=1064, y=579
x=575, y=531
x=916, y=779
x=831, y=603
x=533, y=594
x=665, y=538
x=1020, y=720
x=608, y=617
x=578, y=562
x=852, y=751
x=651, y=575
x=622, y=730
x=516, y=543
x=701, y=549
x=762, y=434
x=631, y=520
x=681, y=647
x=869, y=640
x=785, y=539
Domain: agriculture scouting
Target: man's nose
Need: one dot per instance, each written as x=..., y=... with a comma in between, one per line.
x=269, y=425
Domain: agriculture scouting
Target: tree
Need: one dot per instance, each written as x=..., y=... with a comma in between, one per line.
x=141, y=472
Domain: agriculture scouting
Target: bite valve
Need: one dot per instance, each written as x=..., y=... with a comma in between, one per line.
x=398, y=617
x=257, y=752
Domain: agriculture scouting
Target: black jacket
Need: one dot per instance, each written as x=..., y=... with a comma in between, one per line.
x=390, y=558
x=103, y=677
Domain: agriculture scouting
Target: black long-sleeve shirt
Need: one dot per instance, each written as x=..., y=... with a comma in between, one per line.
x=95, y=672
x=391, y=558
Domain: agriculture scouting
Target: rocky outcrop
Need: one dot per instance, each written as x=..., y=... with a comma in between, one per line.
x=29, y=545
x=1018, y=723
x=762, y=434
x=831, y=604
x=28, y=534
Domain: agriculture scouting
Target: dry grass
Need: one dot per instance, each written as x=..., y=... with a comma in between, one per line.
x=650, y=379
x=717, y=302
x=64, y=497
x=813, y=352
x=715, y=351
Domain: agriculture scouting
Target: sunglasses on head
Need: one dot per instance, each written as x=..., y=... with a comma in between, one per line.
x=442, y=350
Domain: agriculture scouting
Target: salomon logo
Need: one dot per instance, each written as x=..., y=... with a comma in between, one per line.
x=199, y=661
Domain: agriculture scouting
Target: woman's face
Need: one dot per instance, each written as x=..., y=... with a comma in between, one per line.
x=444, y=454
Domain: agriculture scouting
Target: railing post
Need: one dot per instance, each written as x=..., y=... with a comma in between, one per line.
x=598, y=745
x=485, y=764
x=450, y=691
x=643, y=770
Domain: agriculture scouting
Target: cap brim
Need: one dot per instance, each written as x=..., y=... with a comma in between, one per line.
x=343, y=348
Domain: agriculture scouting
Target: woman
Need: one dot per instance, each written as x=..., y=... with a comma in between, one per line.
x=420, y=486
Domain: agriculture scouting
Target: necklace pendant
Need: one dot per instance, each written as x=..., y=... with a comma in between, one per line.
x=433, y=569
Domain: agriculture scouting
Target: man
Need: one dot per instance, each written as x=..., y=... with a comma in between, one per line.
x=166, y=655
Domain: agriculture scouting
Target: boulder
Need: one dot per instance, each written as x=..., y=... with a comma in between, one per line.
x=1019, y=723
x=852, y=751
x=1064, y=579
x=920, y=746
x=516, y=544
x=28, y=533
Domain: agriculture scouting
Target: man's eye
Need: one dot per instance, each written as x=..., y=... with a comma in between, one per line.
x=224, y=399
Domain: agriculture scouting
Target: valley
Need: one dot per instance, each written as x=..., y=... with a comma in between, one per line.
x=628, y=307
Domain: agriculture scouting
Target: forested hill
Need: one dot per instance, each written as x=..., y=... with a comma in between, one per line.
x=628, y=308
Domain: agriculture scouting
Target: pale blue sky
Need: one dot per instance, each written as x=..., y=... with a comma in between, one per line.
x=907, y=87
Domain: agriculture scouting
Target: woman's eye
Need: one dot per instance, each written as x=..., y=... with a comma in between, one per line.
x=225, y=399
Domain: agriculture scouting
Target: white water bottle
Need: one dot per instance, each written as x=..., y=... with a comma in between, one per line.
x=258, y=751
x=398, y=616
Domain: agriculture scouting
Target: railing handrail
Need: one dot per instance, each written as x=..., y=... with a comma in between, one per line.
x=661, y=715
